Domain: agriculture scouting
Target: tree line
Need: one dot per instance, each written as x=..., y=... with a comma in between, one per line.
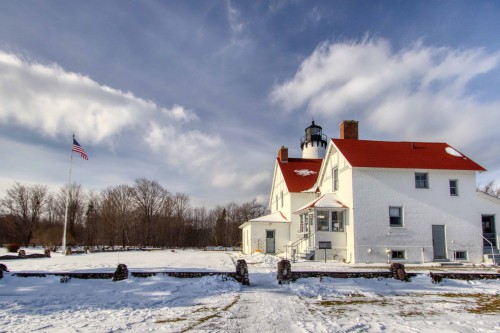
x=142, y=214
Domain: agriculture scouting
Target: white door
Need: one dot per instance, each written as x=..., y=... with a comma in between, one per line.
x=439, y=242
x=270, y=241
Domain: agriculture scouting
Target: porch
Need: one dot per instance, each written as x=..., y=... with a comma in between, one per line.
x=322, y=230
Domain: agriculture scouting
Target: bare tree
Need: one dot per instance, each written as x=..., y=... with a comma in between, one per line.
x=181, y=210
x=220, y=226
x=117, y=214
x=148, y=197
x=74, y=197
x=25, y=204
x=491, y=188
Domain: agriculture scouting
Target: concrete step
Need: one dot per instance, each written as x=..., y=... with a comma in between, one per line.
x=487, y=250
x=489, y=258
x=451, y=264
x=309, y=255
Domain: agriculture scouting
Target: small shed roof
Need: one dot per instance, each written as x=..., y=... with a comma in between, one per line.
x=274, y=217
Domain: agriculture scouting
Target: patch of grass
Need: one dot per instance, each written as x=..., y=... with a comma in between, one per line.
x=484, y=303
x=203, y=309
x=487, y=304
x=415, y=313
x=230, y=305
x=349, y=301
x=210, y=316
x=173, y=320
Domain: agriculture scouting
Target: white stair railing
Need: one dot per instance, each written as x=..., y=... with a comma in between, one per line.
x=492, y=252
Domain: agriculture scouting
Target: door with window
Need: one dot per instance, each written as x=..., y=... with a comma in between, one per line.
x=270, y=241
x=489, y=230
x=439, y=242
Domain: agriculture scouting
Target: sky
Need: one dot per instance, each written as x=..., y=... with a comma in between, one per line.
x=200, y=95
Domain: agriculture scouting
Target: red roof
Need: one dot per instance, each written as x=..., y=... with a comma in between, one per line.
x=300, y=173
x=406, y=155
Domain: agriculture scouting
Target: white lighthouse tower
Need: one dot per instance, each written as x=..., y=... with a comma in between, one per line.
x=313, y=144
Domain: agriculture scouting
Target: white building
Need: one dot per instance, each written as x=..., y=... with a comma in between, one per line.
x=375, y=201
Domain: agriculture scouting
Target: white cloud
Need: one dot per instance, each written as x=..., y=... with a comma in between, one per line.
x=417, y=93
x=234, y=19
x=189, y=149
x=179, y=113
x=258, y=179
x=53, y=101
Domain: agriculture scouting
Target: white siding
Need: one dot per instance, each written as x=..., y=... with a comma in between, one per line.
x=257, y=236
x=377, y=189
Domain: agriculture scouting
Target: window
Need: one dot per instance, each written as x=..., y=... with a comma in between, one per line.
x=302, y=218
x=306, y=222
x=453, y=187
x=335, y=175
x=396, y=216
x=322, y=220
x=397, y=254
x=460, y=255
x=281, y=199
x=421, y=180
x=338, y=221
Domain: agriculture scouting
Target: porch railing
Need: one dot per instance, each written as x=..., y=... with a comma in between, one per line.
x=492, y=250
x=295, y=246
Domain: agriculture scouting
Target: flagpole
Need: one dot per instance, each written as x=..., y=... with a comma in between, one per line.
x=67, y=200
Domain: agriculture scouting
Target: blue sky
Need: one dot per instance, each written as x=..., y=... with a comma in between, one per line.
x=199, y=95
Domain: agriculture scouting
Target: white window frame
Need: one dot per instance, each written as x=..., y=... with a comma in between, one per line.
x=302, y=223
x=420, y=182
x=401, y=219
x=341, y=222
x=454, y=188
x=393, y=251
x=327, y=219
x=335, y=178
x=464, y=252
x=282, y=202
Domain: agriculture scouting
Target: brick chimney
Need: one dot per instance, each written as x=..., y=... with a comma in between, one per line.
x=349, y=129
x=283, y=154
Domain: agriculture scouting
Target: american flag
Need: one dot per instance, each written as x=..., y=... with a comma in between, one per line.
x=77, y=148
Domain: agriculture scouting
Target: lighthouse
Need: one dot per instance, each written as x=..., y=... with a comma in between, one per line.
x=313, y=144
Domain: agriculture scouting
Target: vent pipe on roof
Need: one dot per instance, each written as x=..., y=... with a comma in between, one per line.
x=349, y=129
x=283, y=154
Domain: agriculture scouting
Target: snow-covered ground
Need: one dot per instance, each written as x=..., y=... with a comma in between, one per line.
x=210, y=304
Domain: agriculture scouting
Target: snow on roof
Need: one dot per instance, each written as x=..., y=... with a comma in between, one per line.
x=313, y=189
x=327, y=200
x=300, y=173
x=274, y=217
x=406, y=155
